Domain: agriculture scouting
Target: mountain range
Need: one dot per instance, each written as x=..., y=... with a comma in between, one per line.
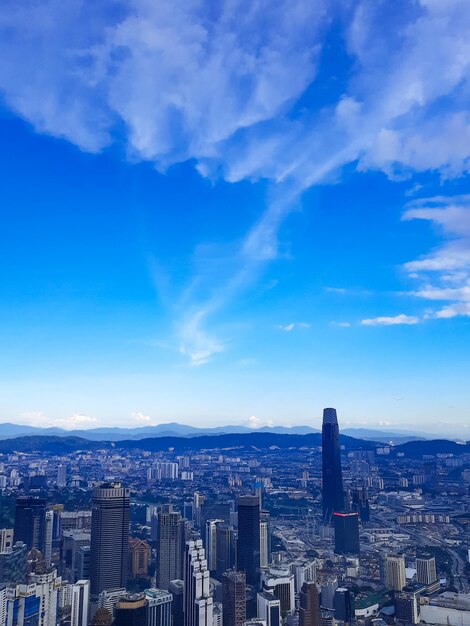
x=173, y=429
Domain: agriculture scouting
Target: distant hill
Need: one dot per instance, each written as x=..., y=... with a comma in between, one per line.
x=173, y=429
x=260, y=440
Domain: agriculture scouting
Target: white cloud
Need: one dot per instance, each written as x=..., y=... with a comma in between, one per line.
x=341, y=324
x=391, y=321
x=258, y=422
x=444, y=274
x=138, y=416
x=221, y=85
x=40, y=419
x=292, y=326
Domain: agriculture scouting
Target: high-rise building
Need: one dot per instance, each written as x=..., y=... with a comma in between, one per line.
x=30, y=521
x=332, y=489
x=139, y=554
x=395, y=573
x=344, y=610
x=61, y=476
x=131, y=610
x=426, y=570
x=248, y=545
x=211, y=543
x=170, y=546
x=225, y=536
x=80, y=603
x=48, y=538
x=407, y=604
x=177, y=610
x=268, y=608
x=309, y=605
x=13, y=567
x=282, y=585
x=264, y=540
x=159, y=607
x=360, y=503
x=328, y=588
x=346, y=533
x=198, y=603
x=6, y=539
x=234, y=598
x=109, y=538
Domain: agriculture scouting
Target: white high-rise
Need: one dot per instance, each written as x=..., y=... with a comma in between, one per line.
x=395, y=573
x=80, y=603
x=197, y=603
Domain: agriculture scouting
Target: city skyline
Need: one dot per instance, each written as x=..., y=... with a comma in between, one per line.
x=244, y=246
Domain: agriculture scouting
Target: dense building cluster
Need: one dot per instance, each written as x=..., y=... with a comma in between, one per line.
x=356, y=534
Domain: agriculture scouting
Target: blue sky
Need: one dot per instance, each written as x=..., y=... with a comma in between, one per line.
x=229, y=213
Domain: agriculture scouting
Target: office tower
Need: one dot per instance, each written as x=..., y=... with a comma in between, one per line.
x=47, y=590
x=282, y=585
x=61, y=476
x=109, y=538
x=264, y=540
x=328, y=588
x=108, y=599
x=234, y=598
x=102, y=617
x=268, y=608
x=170, y=546
x=6, y=539
x=407, y=604
x=176, y=589
x=211, y=543
x=198, y=603
x=80, y=603
x=248, y=546
x=139, y=554
x=30, y=521
x=72, y=541
x=304, y=571
x=131, y=610
x=198, y=500
x=360, y=503
x=13, y=563
x=158, y=607
x=225, y=537
x=426, y=570
x=82, y=563
x=344, y=611
x=332, y=489
x=346, y=533
x=48, y=538
x=395, y=574
x=309, y=605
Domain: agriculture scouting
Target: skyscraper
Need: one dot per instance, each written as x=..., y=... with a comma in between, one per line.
x=426, y=573
x=395, y=574
x=198, y=603
x=346, y=533
x=225, y=548
x=265, y=540
x=30, y=521
x=109, y=538
x=269, y=608
x=344, y=610
x=309, y=605
x=170, y=546
x=80, y=603
x=159, y=607
x=332, y=490
x=131, y=610
x=248, y=545
x=234, y=598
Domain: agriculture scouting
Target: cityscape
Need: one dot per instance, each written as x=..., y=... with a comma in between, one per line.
x=234, y=312
x=332, y=531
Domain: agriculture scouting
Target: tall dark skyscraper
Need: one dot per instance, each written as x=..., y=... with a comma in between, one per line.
x=248, y=545
x=30, y=522
x=109, y=538
x=333, y=494
x=309, y=605
x=234, y=598
x=170, y=546
x=346, y=533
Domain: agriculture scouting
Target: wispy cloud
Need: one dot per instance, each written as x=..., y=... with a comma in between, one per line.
x=223, y=86
x=391, y=321
x=292, y=326
x=40, y=419
x=444, y=274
